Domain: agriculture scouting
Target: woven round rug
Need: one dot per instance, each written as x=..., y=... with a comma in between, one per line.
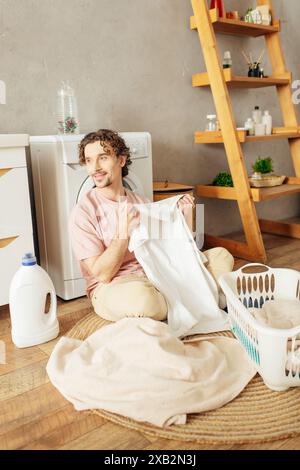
x=256, y=415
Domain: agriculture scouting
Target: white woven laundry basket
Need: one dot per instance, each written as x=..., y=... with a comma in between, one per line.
x=274, y=351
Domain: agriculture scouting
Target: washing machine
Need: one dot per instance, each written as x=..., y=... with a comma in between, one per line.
x=59, y=183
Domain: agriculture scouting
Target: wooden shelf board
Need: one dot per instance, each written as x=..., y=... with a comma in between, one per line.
x=217, y=192
x=240, y=81
x=280, y=227
x=237, y=27
x=288, y=135
x=217, y=138
x=258, y=194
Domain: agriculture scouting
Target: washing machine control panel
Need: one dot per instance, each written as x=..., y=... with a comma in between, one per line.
x=139, y=144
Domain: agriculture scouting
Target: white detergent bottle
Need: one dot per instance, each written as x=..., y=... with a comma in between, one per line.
x=257, y=115
x=267, y=120
x=29, y=288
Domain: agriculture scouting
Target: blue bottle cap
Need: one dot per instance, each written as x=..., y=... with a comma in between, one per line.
x=28, y=259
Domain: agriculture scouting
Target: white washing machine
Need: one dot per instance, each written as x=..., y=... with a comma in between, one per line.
x=59, y=183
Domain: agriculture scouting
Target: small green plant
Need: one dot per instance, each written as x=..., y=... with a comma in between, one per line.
x=223, y=179
x=263, y=165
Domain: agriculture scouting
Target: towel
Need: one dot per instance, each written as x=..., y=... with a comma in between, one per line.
x=137, y=368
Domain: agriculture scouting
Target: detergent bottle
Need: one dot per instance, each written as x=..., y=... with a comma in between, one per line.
x=29, y=288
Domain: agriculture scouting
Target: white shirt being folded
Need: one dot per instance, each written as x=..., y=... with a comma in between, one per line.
x=164, y=246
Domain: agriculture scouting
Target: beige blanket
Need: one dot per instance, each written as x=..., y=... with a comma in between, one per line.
x=137, y=368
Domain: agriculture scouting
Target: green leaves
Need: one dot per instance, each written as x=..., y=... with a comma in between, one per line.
x=263, y=165
x=223, y=179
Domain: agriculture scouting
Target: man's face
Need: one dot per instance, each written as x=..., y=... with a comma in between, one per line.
x=105, y=168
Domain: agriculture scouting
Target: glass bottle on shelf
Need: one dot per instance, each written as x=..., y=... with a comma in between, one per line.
x=248, y=16
x=227, y=61
x=267, y=120
x=211, y=125
x=249, y=127
x=257, y=115
x=67, y=113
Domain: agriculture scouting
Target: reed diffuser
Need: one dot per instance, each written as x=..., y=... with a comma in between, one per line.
x=254, y=65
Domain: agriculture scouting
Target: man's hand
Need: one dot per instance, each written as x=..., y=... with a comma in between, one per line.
x=129, y=219
x=133, y=220
x=186, y=204
x=185, y=201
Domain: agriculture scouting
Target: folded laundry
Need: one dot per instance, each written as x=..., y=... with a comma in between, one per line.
x=280, y=313
x=164, y=246
x=137, y=368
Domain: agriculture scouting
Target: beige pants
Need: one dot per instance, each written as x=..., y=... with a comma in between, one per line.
x=129, y=296
x=220, y=261
x=134, y=296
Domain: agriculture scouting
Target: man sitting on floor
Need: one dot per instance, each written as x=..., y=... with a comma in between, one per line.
x=100, y=228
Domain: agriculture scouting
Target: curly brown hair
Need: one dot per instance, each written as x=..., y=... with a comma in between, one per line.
x=110, y=140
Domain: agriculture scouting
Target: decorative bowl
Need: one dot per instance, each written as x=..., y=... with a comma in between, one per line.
x=266, y=181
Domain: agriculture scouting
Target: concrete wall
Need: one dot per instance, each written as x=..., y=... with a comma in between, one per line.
x=130, y=62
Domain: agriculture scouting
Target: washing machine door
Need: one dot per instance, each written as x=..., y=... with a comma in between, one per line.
x=86, y=186
x=131, y=182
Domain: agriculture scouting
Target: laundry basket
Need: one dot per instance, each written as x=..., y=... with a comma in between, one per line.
x=274, y=351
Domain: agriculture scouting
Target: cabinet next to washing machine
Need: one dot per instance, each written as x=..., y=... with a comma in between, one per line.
x=16, y=232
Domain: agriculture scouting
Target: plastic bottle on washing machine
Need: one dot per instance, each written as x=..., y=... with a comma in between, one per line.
x=28, y=292
x=67, y=113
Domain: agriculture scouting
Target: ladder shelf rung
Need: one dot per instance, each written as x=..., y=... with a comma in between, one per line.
x=208, y=137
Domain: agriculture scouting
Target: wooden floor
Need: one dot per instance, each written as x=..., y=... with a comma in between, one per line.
x=33, y=415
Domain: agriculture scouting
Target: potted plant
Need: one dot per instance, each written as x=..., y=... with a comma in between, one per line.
x=262, y=166
x=263, y=174
x=223, y=179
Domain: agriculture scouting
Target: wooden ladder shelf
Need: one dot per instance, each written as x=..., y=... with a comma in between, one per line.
x=207, y=23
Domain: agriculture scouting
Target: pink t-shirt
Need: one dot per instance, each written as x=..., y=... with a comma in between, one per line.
x=93, y=223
